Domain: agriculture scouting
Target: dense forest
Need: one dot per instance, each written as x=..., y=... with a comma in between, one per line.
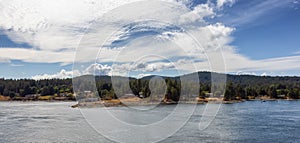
x=237, y=87
x=18, y=88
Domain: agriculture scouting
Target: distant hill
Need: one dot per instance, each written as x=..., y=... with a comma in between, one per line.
x=238, y=86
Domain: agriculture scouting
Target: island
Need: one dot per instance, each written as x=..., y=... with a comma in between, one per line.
x=100, y=90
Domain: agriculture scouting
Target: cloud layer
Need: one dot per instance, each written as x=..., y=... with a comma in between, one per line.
x=180, y=37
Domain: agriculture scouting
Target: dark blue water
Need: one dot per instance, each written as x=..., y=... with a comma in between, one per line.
x=252, y=121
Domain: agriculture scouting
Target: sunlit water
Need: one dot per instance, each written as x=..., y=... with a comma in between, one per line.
x=253, y=121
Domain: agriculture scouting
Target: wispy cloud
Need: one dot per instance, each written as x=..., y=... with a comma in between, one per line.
x=36, y=56
x=234, y=64
x=255, y=10
x=55, y=29
x=51, y=25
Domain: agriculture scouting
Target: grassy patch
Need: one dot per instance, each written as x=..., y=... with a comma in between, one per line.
x=4, y=98
x=45, y=97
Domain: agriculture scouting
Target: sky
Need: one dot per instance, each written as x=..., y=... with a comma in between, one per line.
x=59, y=39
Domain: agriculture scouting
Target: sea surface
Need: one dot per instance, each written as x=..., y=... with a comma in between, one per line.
x=251, y=121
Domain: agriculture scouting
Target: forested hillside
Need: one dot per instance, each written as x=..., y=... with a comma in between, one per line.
x=237, y=87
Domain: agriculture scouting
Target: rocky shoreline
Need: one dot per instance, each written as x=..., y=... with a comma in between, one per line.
x=120, y=103
x=134, y=102
x=37, y=98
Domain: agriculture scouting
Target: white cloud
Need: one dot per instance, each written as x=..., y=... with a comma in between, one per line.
x=197, y=14
x=98, y=69
x=56, y=27
x=60, y=75
x=54, y=30
x=246, y=73
x=279, y=63
x=51, y=25
x=220, y=30
x=36, y=56
x=93, y=69
x=143, y=75
x=238, y=62
x=124, y=69
x=158, y=67
x=234, y=63
x=259, y=73
x=221, y=3
x=264, y=74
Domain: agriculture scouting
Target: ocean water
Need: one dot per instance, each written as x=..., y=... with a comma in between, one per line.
x=252, y=121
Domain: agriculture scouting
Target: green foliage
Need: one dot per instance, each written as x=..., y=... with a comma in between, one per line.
x=23, y=87
x=243, y=87
x=230, y=92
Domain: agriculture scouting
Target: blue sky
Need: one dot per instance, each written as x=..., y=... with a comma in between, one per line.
x=272, y=34
x=259, y=37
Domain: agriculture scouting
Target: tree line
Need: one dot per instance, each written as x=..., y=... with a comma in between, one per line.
x=106, y=87
x=48, y=87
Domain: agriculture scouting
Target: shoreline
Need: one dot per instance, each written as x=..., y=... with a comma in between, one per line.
x=38, y=101
x=38, y=98
x=145, y=102
x=120, y=104
x=28, y=101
